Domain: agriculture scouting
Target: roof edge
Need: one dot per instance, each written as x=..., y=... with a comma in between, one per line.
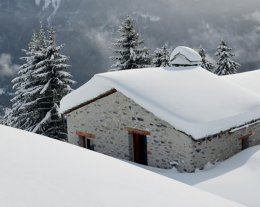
x=230, y=130
x=105, y=94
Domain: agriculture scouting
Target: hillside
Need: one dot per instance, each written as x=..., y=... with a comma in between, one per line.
x=39, y=171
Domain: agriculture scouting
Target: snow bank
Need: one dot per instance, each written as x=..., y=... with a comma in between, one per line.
x=39, y=171
x=191, y=99
x=241, y=180
x=237, y=178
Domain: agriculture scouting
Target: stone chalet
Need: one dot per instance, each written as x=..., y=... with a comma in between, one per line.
x=181, y=117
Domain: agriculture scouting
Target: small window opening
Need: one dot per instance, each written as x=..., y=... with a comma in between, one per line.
x=86, y=139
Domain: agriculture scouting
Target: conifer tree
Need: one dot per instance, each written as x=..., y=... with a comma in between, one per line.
x=206, y=64
x=161, y=57
x=54, y=84
x=144, y=59
x=225, y=64
x=128, y=48
x=41, y=83
x=23, y=113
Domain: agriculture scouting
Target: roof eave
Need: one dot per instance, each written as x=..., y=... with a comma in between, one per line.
x=105, y=94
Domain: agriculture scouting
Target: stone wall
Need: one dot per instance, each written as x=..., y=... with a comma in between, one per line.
x=220, y=147
x=108, y=118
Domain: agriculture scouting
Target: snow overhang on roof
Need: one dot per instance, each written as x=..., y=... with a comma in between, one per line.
x=193, y=100
x=185, y=56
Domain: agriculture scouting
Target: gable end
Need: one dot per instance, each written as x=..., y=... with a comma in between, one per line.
x=107, y=93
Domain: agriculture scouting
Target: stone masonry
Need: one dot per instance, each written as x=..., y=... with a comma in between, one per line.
x=109, y=117
x=224, y=145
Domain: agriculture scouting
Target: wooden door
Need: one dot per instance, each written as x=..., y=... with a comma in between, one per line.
x=140, y=149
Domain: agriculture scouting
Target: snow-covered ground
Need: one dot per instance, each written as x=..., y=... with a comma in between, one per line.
x=237, y=178
x=39, y=171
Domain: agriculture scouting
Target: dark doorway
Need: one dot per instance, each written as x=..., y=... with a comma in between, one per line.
x=140, y=149
x=245, y=143
x=245, y=140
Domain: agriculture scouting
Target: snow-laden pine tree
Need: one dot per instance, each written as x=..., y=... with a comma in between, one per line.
x=206, y=64
x=225, y=64
x=54, y=83
x=23, y=114
x=161, y=57
x=144, y=59
x=41, y=83
x=129, y=53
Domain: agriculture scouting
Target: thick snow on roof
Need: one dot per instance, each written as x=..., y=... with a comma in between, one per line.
x=191, y=99
x=39, y=171
x=188, y=56
x=248, y=80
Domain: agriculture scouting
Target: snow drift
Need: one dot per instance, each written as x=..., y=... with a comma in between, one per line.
x=39, y=171
x=237, y=178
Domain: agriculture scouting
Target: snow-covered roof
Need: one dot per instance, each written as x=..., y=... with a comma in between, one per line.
x=182, y=55
x=249, y=80
x=40, y=171
x=191, y=99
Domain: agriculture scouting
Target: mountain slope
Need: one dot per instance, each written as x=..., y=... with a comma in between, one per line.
x=39, y=171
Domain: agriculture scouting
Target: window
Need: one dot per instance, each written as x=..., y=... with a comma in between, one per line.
x=86, y=139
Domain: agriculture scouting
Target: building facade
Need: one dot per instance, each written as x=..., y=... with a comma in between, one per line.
x=117, y=126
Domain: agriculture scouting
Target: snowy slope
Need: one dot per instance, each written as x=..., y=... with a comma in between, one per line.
x=39, y=171
x=248, y=80
x=237, y=178
x=192, y=99
x=242, y=183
